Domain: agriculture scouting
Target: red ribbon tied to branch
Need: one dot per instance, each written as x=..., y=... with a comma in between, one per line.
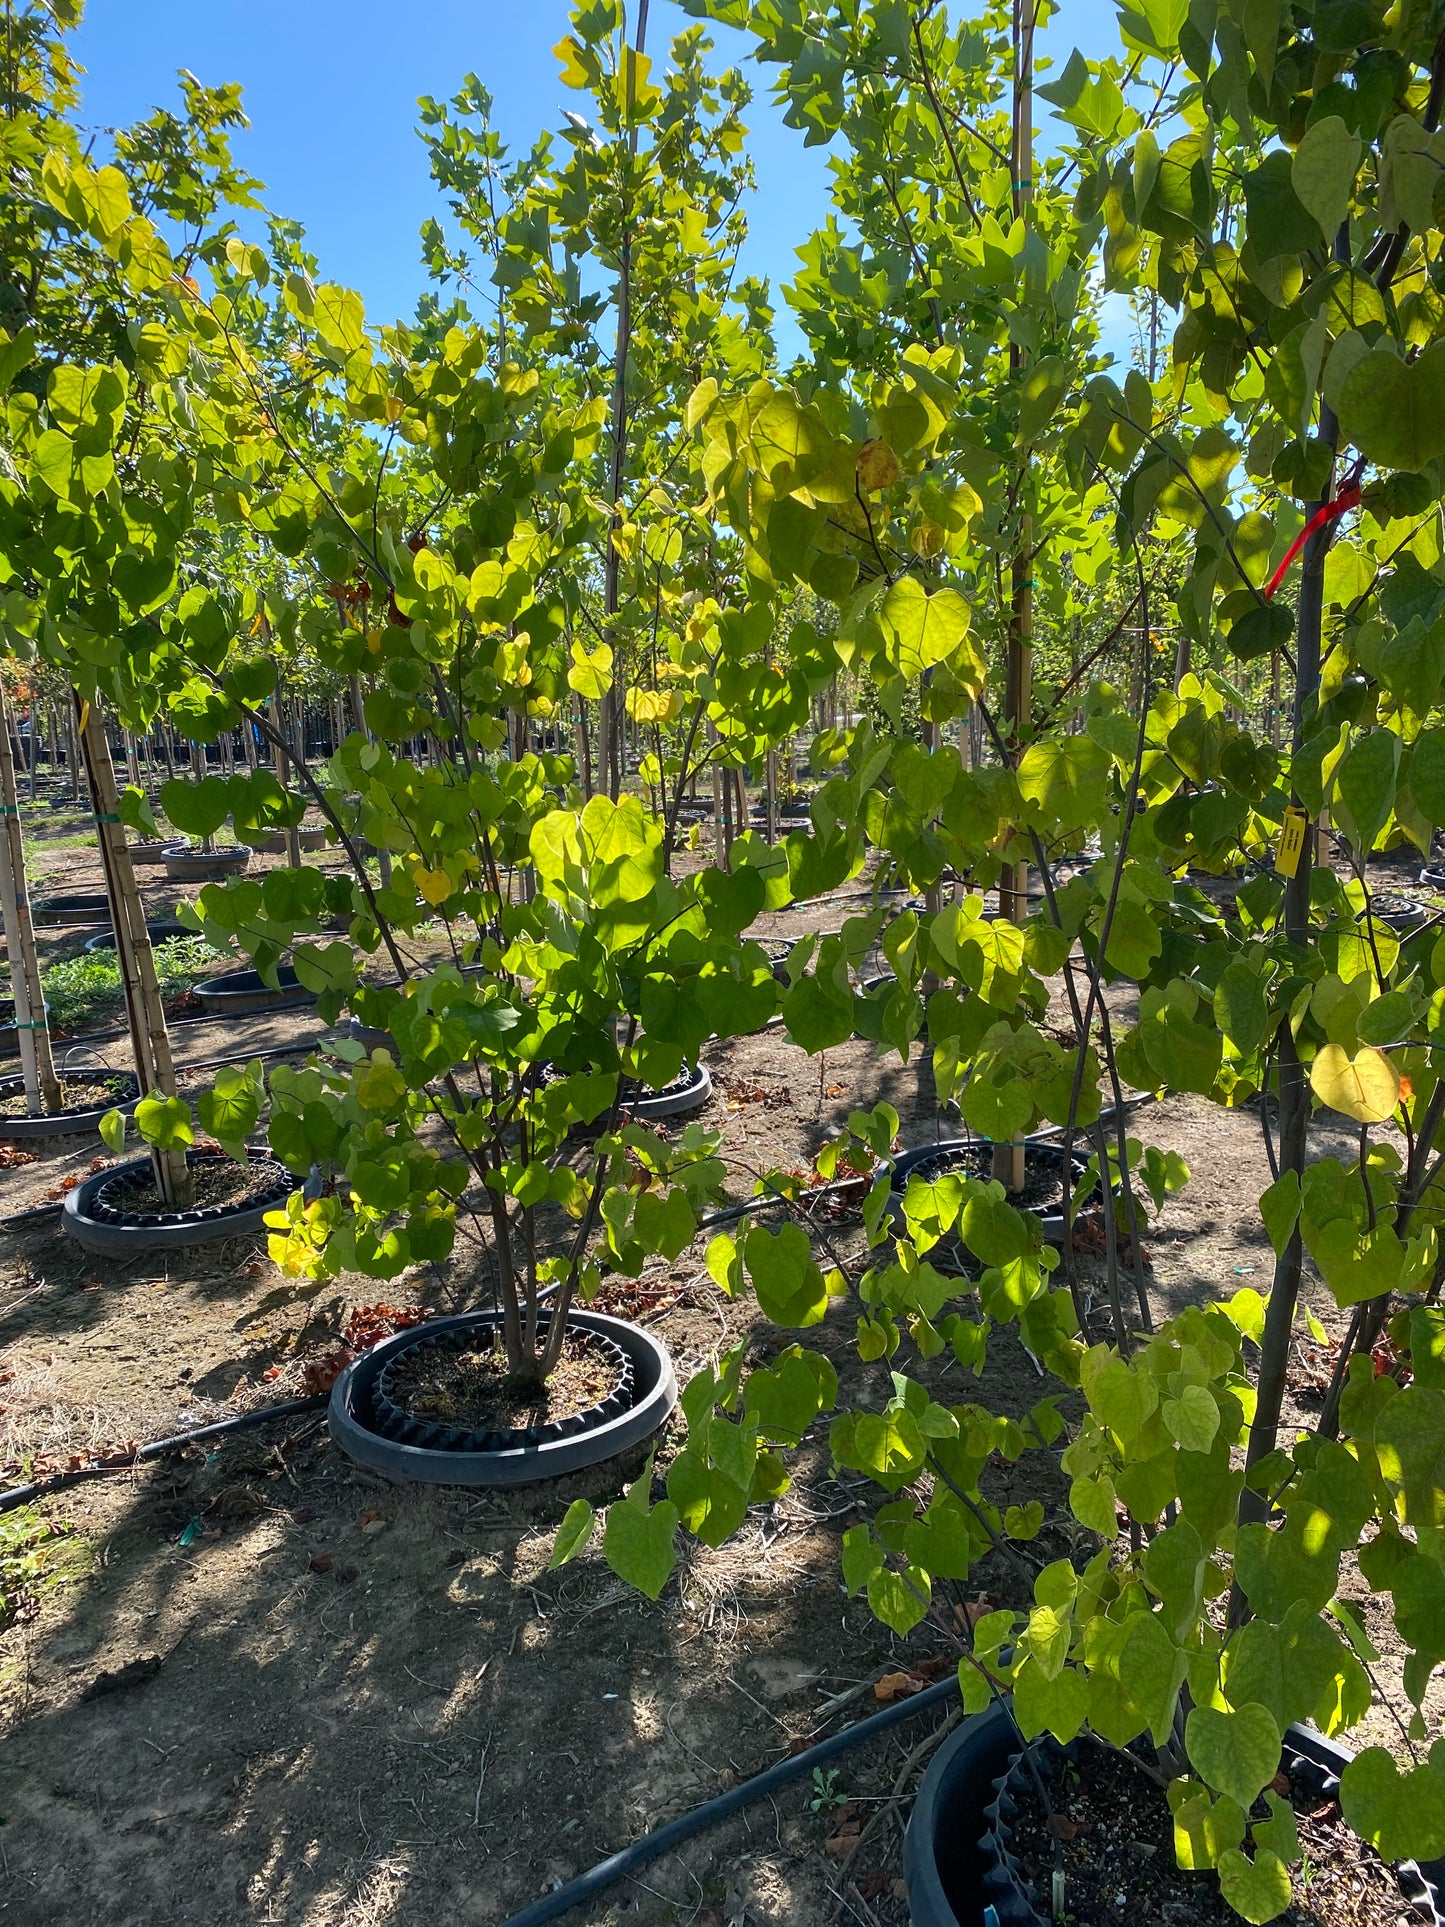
x=1328, y=512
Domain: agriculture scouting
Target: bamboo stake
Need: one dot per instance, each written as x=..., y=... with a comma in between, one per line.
x=37, y=1062
x=283, y=775
x=145, y=1014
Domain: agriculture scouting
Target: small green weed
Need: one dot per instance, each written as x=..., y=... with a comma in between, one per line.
x=826, y=1792
x=86, y=988
x=36, y=1555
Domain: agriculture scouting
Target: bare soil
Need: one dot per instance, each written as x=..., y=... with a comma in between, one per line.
x=280, y=1690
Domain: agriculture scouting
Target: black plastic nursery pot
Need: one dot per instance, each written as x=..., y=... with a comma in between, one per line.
x=9, y=1029
x=1312, y=1763
x=158, y=929
x=1431, y=878
x=58, y=913
x=309, y=838
x=371, y=1037
x=370, y=1427
x=185, y=865
x=1401, y=914
x=687, y=1092
x=152, y=852
x=943, y=1852
x=124, y=1096
x=973, y=1157
x=98, y=1216
x=240, y=992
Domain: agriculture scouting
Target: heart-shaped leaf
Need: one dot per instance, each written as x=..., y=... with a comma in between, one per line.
x=1236, y=1752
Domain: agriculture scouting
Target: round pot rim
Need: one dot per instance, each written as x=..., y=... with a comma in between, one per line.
x=1421, y=1885
x=515, y=1465
x=205, y=1224
x=66, y=1123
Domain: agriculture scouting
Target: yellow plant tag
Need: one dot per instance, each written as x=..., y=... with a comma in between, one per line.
x=1291, y=841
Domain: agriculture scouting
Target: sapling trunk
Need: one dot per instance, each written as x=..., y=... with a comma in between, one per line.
x=1294, y=1090
x=145, y=1014
x=37, y=1064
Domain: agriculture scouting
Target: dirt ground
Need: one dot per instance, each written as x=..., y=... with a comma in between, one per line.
x=279, y=1690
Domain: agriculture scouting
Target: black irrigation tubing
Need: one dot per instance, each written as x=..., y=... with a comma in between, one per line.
x=239, y=1422
x=173, y=1023
x=607, y=1872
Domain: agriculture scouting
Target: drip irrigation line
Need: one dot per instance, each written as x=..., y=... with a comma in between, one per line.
x=607, y=1872
x=238, y=1422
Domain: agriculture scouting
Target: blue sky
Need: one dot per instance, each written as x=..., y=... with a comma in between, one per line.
x=331, y=89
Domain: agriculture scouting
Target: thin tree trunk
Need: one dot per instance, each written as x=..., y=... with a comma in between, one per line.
x=1294, y=1090
x=145, y=1014
x=283, y=775
x=37, y=1063
x=1008, y=1160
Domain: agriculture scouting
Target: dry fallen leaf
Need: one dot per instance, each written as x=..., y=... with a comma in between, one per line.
x=892, y=1686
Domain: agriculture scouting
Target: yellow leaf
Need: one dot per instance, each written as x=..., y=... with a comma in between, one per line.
x=435, y=885
x=877, y=465
x=1365, y=1087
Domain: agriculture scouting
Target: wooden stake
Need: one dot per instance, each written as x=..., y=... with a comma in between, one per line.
x=37, y=1063
x=145, y=1014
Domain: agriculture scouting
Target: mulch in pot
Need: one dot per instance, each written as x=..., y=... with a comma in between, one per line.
x=1043, y=1188
x=79, y=1093
x=218, y=1181
x=1119, y=1862
x=470, y=1387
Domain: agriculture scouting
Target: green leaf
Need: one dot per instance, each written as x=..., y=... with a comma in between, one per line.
x=1394, y=411
x=896, y=1601
x=1299, y=1669
x=1192, y=1418
x=1024, y=1521
x=1280, y=1208
x=1063, y=778
x=1259, y=1890
x=1278, y=222
x=818, y=1013
x=1240, y=1007
x=1119, y=1394
x=231, y=1109
x=197, y=809
x=1365, y=783
x=112, y=1131
x=1237, y=1752
x=1402, y=1815
x=1093, y=1503
x=921, y=630
x=1410, y=1440
x=638, y=1542
x=710, y=1504
x=1278, y=1834
x=1059, y=1705
x=787, y=1279
x=1042, y=389
x=573, y=1534
x=1204, y=1829
x=165, y=1122
x=1427, y=773
x=1323, y=171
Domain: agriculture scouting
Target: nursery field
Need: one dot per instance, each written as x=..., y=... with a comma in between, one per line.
x=254, y=1682
x=722, y=1052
